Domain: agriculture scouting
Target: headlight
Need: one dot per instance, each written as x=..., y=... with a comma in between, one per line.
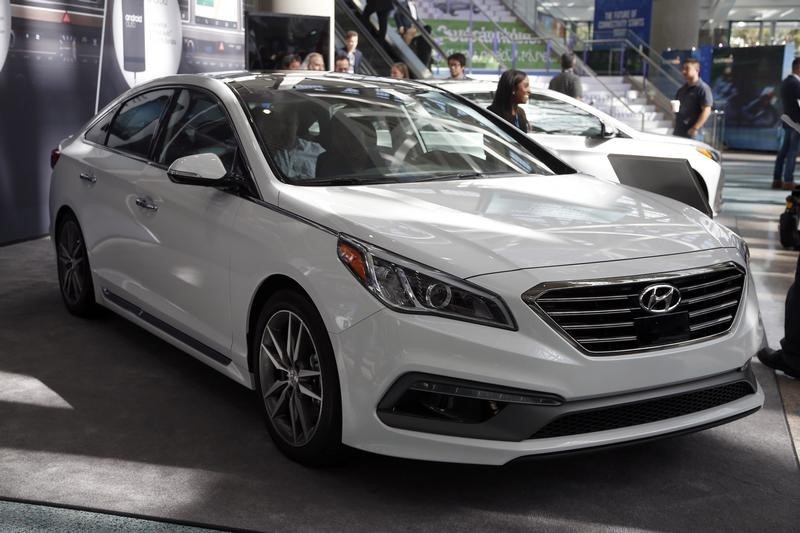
x=743, y=249
x=410, y=287
x=711, y=154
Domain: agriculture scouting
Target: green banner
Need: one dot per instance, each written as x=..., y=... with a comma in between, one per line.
x=492, y=46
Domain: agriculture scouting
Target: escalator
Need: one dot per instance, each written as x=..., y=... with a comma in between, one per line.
x=377, y=60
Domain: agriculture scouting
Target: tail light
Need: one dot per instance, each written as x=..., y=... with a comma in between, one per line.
x=54, y=155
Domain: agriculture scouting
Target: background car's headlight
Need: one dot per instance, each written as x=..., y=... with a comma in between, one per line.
x=711, y=154
x=410, y=287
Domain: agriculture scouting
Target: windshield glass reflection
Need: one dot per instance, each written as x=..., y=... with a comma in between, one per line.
x=345, y=132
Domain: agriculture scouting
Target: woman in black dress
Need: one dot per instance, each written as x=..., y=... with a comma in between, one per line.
x=512, y=90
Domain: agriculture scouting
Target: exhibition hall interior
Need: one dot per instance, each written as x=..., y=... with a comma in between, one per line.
x=399, y=265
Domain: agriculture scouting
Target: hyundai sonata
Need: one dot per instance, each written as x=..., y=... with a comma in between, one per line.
x=394, y=269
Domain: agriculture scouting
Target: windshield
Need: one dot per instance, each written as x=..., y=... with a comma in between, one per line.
x=343, y=132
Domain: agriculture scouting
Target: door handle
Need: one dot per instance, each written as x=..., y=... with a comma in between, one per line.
x=86, y=177
x=144, y=203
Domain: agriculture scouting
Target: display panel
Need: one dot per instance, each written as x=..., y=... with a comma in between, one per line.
x=270, y=37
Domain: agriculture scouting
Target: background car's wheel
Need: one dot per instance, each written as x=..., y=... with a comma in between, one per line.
x=74, y=274
x=297, y=380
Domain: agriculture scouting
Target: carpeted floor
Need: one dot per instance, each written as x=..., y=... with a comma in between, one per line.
x=101, y=415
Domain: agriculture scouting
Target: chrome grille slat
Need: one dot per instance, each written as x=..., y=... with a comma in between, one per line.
x=711, y=283
x=590, y=312
x=599, y=326
x=586, y=299
x=602, y=316
x=593, y=340
x=708, y=310
x=711, y=323
x=703, y=298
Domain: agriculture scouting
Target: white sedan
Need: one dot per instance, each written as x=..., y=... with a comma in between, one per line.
x=397, y=270
x=584, y=136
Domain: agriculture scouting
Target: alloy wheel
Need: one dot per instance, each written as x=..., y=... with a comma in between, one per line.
x=71, y=263
x=291, y=382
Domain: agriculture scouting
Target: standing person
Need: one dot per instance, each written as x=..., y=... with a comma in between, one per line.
x=382, y=8
x=787, y=155
x=404, y=16
x=567, y=82
x=696, y=101
x=399, y=71
x=456, y=63
x=512, y=90
x=787, y=359
x=351, y=51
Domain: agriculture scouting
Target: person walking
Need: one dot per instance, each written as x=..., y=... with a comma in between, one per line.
x=695, y=102
x=787, y=155
x=382, y=8
x=512, y=90
x=567, y=82
x=787, y=359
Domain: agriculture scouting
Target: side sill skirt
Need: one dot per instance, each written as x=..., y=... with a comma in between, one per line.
x=172, y=331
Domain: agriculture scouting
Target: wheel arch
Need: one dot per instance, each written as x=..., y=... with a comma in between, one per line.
x=63, y=212
x=265, y=290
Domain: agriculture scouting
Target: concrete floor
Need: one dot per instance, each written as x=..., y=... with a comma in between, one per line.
x=101, y=416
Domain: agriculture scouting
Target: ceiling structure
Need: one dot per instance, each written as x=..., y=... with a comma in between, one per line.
x=720, y=11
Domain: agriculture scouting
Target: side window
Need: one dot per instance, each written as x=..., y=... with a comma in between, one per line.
x=556, y=117
x=99, y=132
x=198, y=125
x=137, y=122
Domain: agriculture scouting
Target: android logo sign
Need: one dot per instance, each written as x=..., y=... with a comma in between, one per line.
x=147, y=38
x=5, y=31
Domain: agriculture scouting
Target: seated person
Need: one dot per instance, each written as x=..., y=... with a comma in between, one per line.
x=296, y=157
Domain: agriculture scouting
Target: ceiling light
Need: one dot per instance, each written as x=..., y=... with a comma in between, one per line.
x=785, y=13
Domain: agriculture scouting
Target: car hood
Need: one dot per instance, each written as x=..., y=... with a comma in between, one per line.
x=475, y=227
x=670, y=139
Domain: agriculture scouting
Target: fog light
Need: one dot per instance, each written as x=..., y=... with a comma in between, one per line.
x=482, y=394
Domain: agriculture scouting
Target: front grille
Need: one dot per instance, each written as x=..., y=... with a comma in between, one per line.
x=621, y=416
x=604, y=316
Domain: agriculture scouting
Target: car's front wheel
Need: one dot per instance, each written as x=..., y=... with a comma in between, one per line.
x=297, y=380
x=74, y=274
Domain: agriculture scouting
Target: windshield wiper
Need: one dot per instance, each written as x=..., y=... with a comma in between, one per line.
x=350, y=180
x=464, y=175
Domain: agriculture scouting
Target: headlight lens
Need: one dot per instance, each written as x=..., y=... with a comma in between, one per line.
x=743, y=249
x=410, y=287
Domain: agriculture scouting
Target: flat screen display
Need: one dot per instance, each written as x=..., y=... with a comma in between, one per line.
x=669, y=177
x=270, y=37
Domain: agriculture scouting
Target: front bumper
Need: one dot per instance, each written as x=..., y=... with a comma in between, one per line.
x=381, y=351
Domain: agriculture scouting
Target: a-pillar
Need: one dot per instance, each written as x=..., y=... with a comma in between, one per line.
x=675, y=24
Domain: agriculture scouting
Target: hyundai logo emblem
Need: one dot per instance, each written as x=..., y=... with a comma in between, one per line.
x=659, y=298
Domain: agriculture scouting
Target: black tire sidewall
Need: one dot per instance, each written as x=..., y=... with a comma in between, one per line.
x=325, y=445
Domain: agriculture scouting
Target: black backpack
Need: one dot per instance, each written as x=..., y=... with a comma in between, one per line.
x=789, y=222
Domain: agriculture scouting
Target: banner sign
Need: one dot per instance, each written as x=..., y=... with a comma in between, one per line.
x=489, y=44
x=614, y=18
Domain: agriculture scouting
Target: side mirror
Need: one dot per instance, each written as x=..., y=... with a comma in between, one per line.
x=202, y=169
x=607, y=130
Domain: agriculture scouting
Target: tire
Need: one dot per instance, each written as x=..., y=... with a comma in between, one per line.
x=298, y=388
x=74, y=273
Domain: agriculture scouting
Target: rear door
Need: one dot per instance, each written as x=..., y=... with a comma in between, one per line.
x=116, y=160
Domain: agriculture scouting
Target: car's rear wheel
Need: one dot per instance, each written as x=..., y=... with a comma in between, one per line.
x=74, y=274
x=297, y=380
